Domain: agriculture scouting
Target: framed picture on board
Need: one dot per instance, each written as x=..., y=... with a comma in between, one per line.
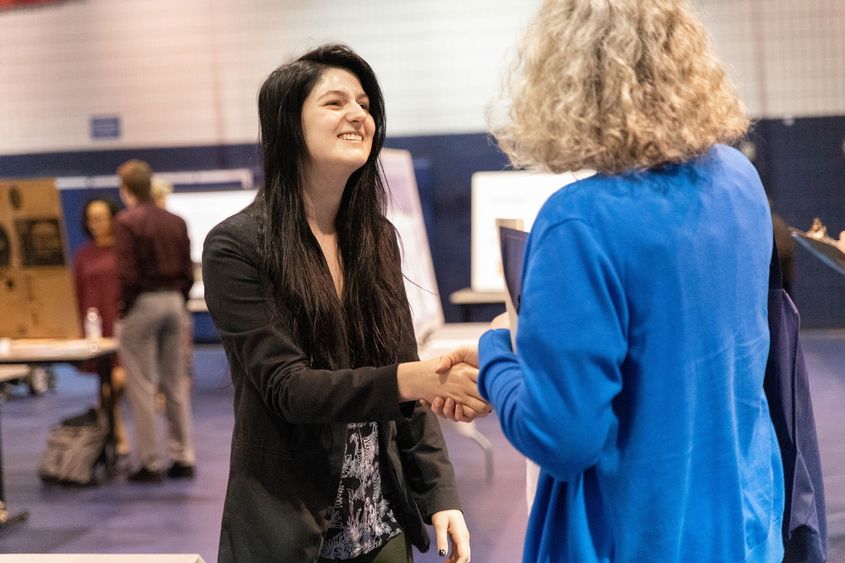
x=36, y=282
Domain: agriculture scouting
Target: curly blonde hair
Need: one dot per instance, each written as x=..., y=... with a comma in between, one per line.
x=615, y=85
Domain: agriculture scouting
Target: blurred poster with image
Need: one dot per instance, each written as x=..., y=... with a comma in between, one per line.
x=36, y=283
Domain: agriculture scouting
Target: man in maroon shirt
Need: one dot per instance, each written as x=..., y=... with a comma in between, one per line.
x=156, y=274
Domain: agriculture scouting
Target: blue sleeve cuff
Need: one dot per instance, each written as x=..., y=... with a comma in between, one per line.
x=491, y=345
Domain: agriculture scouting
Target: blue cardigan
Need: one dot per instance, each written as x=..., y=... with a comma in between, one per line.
x=638, y=382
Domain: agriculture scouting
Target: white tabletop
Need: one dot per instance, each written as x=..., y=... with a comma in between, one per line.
x=38, y=350
x=13, y=371
x=451, y=336
x=468, y=296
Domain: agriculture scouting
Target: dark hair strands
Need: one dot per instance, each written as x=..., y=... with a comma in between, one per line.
x=365, y=327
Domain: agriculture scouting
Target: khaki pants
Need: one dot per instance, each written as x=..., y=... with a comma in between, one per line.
x=152, y=354
x=396, y=550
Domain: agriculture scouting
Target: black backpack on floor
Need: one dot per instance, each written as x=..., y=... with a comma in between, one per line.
x=75, y=449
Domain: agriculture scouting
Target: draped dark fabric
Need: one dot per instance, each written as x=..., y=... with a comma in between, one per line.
x=788, y=392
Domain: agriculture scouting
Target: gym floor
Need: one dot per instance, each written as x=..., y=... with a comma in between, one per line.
x=184, y=516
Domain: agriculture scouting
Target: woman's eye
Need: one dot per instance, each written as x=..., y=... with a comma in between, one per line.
x=335, y=103
x=365, y=107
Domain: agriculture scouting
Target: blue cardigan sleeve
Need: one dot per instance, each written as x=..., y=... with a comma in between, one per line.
x=554, y=397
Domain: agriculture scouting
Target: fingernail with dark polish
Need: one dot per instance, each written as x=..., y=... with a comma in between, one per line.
x=442, y=553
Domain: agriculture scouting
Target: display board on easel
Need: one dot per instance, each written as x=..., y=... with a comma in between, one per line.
x=36, y=282
x=405, y=212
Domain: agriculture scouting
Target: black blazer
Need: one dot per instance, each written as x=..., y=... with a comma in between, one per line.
x=290, y=421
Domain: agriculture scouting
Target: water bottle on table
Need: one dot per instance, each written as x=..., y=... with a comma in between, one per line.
x=93, y=325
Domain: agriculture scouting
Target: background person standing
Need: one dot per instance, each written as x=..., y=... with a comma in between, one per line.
x=156, y=274
x=160, y=189
x=96, y=281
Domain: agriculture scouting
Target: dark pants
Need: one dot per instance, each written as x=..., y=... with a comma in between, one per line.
x=396, y=550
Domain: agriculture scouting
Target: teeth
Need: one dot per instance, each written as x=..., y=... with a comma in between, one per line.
x=351, y=137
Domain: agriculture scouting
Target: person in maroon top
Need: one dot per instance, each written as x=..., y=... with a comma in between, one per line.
x=156, y=274
x=160, y=189
x=97, y=286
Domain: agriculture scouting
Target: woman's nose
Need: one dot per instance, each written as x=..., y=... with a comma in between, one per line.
x=356, y=113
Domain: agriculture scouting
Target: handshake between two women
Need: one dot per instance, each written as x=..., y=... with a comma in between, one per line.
x=447, y=385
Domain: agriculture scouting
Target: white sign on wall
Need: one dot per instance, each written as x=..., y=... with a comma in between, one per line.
x=202, y=211
x=515, y=195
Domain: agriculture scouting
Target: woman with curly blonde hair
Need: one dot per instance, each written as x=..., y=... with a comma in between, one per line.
x=614, y=86
x=643, y=337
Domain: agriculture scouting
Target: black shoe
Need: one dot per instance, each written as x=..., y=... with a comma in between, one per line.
x=181, y=470
x=145, y=475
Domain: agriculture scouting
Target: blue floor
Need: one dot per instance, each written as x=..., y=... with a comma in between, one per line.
x=184, y=517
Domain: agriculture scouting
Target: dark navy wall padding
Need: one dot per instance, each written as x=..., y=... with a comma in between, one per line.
x=204, y=329
x=801, y=163
x=104, y=162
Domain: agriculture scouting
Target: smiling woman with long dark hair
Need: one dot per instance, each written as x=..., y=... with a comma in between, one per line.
x=333, y=458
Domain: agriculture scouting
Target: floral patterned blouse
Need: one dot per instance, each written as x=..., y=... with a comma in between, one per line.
x=362, y=519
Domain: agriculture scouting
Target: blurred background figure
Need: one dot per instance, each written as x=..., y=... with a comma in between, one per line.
x=156, y=274
x=160, y=189
x=98, y=286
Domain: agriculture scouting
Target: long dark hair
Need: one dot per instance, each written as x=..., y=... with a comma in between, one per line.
x=365, y=328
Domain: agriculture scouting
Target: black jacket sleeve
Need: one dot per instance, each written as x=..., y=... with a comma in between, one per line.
x=267, y=356
x=425, y=462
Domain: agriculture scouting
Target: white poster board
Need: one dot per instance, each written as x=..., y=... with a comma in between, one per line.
x=515, y=195
x=202, y=211
x=405, y=212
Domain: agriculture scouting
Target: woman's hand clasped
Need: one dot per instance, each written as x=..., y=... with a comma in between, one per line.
x=432, y=379
x=457, y=388
x=450, y=407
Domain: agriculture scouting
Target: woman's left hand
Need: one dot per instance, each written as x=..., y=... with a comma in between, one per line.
x=449, y=526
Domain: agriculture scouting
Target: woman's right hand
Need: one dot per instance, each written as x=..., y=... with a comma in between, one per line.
x=446, y=407
x=423, y=381
x=456, y=412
